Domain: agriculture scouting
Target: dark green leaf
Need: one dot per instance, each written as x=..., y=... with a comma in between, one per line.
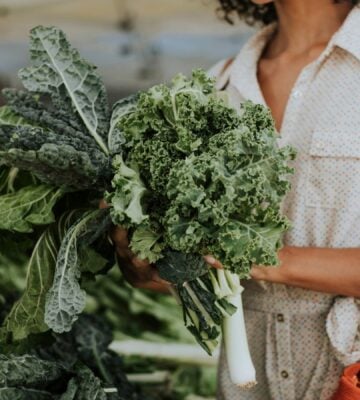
x=177, y=267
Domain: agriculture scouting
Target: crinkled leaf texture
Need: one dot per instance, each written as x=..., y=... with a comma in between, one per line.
x=60, y=71
x=28, y=371
x=127, y=198
x=84, y=386
x=9, y=117
x=120, y=109
x=27, y=314
x=65, y=299
x=145, y=243
x=213, y=179
x=31, y=205
x=178, y=268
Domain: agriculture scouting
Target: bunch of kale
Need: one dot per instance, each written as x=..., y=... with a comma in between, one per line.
x=196, y=177
x=186, y=173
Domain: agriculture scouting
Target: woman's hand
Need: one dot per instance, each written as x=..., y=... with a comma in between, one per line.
x=139, y=273
x=327, y=270
x=278, y=274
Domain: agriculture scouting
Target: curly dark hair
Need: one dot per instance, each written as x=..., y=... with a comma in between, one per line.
x=252, y=13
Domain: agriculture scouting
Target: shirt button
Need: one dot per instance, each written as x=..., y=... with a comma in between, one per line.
x=280, y=317
x=284, y=374
x=297, y=94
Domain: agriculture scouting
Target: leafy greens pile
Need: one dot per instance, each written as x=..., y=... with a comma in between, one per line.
x=197, y=177
x=72, y=366
x=183, y=171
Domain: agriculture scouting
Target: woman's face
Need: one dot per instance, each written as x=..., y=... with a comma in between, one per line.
x=260, y=2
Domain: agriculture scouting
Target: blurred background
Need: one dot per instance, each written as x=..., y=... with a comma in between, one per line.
x=135, y=43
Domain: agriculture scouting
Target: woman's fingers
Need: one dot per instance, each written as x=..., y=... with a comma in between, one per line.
x=213, y=262
x=120, y=237
x=140, y=273
x=103, y=204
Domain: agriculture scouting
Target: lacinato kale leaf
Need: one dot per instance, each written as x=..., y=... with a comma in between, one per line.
x=178, y=268
x=61, y=72
x=65, y=299
x=58, y=129
x=77, y=365
x=28, y=371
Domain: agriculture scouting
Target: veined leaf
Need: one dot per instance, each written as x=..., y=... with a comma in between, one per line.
x=27, y=314
x=27, y=370
x=31, y=205
x=145, y=244
x=60, y=71
x=9, y=117
x=66, y=300
x=120, y=109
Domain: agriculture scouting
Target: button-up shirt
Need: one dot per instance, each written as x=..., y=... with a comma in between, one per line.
x=300, y=340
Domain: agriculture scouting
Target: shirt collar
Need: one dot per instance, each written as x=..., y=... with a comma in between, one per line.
x=243, y=74
x=348, y=36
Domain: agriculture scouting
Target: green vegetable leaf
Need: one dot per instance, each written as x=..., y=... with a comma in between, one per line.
x=84, y=386
x=28, y=371
x=120, y=109
x=145, y=244
x=126, y=200
x=27, y=314
x=60, y=71
x=178, y=268
x=66, y=300
x=31, y=205
x=9, y=117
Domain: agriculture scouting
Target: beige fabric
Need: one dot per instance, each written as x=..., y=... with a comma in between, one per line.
x=300, y=340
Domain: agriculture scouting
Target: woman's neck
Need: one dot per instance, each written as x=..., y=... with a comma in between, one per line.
x=304, y=24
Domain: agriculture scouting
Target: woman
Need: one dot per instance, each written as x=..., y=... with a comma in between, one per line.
x=302, y=318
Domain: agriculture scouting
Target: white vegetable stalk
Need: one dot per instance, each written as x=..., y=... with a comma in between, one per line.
x=241, y=367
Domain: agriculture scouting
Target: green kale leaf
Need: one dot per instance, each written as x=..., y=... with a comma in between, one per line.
x=66, y=300
x=61, y=72
x=27, y=314
x=31, y=205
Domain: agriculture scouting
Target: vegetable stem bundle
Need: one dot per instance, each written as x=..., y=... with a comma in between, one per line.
x=184, y=172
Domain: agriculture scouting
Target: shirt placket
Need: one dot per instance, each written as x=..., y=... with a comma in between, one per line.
x=286, y=379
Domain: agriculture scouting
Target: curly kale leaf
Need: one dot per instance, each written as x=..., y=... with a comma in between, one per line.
x=120, y=109
x=126, y=200
x=31, y=205
x=61, y=72
x=66, y=300
x=146, y=244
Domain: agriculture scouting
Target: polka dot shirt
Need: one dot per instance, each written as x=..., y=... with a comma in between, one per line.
x=300, y=340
